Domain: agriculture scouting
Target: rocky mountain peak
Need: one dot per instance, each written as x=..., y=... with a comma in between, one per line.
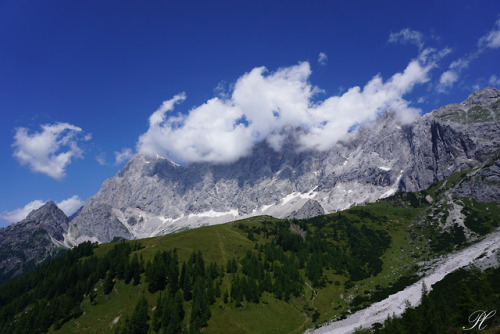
x=481, y=106
x=311, y=208
x=152, y=195
x=47, y=214
x=483, y=96
x=44, y=230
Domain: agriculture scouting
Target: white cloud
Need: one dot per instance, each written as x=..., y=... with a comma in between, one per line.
x=101, y=159
x=322, y=59
x=336, y=115
x=69, y=206
x=494, y=80
x=407, y=35
x=462, y=63
x=17, y=215
x=447, y=79
x=264, y=103
x=221, y=90
x=491, y=39
x=451, y=76
x=124, y=155
x=49, y=151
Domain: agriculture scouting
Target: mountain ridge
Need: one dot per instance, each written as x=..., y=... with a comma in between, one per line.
x=402, y=238
x=152, y=195
x=37, y=238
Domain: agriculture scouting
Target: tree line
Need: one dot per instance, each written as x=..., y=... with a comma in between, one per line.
x=278, y=264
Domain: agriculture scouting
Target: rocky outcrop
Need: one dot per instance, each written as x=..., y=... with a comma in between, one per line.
x=483, y=186
x=33, y=240
x=311, y=208
x=152, y=195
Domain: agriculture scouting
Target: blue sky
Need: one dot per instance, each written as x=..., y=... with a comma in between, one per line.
x=86, y=84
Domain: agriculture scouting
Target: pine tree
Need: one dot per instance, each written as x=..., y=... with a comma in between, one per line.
x=108, y=283
x=134, y=270
x=186, y=282
x=200, y=311
x=174, y=314
x=156, y=322
x=179, y=302
x=173, y=273
x=139, y=320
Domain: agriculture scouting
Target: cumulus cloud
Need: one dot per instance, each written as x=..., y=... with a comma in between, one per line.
x=69, y=206
x=407, y=35
x=124, y=155
x=17, y=215
x=263, y=103
x=322, y=59
x=336, y=115
x=51, y=150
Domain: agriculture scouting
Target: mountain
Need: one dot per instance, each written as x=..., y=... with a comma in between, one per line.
x=37, y=238
x=263, y=274
x=153, y=196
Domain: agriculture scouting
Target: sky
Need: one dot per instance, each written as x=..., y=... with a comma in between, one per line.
x=85, y=85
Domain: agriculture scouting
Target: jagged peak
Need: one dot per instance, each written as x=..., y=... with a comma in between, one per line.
x=144, y=163
x=151, y=158
x=482, y=97
x=484, y=93
x=48, y=208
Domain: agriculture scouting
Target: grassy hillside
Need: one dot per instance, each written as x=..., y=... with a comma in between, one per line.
x=258, y=275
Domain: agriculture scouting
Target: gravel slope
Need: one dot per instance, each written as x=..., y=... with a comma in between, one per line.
x=395, y=304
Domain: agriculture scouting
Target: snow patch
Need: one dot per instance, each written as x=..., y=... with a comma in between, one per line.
x=262, y=209
x=297, y=195
x=389, y=193
x=289, y=197
x=394, y=188
x=212, y=214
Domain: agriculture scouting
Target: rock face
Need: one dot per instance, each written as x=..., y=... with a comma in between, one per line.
x=153, y=196
x=311, y=208
x=483, y=186
x=36, y=238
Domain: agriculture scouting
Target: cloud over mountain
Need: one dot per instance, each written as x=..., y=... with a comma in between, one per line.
x=263, y=103
x=124, y=155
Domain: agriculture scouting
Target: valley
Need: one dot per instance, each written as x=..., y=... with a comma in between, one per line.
x=282, y=276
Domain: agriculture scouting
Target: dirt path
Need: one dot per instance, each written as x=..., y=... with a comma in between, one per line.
x=315, y=293
x=299, y=329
